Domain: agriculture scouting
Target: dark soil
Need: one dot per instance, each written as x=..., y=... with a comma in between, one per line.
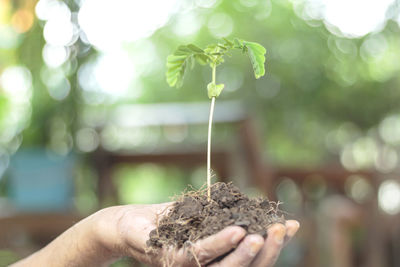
x=193, y=217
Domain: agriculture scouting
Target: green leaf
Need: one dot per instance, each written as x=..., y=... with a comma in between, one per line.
x=175, y=59
x=185, y=55
x=210, y=48
x=176, y=66
x=214, y=90
x=213, y=54
x=227, y=42
x=183, y=50
x=238, y=43
x=219, y=61
x=191, y=61
x=223, y=47
x=195, y=48
x=201, y=59
x=256, y=54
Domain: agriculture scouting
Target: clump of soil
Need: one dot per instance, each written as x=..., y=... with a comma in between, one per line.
x=193, y=217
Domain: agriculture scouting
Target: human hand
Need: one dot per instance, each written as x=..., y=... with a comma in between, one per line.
x=124, y=230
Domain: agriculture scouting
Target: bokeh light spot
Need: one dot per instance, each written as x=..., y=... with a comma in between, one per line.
x=16, y=82
x=386, y=160
x=357, y=17
x=220, y=25
x=22, y=20
x=289, y=193
x=389, y=197
x=358, y=188
x=187, y=24
x=55, y=56
x=389, y=129
x=108, y=25
x=87, y=139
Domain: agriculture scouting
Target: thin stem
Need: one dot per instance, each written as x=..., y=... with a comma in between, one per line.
x=214, y=68
x=209, y=149
x=209, y=138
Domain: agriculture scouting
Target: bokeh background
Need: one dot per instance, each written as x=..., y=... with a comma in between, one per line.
x=87, y=119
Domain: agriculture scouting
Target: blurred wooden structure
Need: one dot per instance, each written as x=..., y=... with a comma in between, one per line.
x=172, y=114
x=104, y=163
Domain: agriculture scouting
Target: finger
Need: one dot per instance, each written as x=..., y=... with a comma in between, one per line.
x=244, y=254
x=291, y=229
x=272, y=246
x=162, y=208
x=216, y=245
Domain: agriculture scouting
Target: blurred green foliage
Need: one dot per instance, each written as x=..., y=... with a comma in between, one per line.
x=7, y=257
x=315, y=80
x=148, y=183
x=321, y=91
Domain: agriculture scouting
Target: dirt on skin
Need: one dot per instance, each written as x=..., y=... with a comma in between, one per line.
x=193, y=217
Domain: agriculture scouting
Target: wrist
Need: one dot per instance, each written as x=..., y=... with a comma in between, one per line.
x=104, y=234
x=90, y=250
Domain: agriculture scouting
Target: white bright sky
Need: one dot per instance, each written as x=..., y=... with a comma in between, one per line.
x=107, y=23
x=355, y=17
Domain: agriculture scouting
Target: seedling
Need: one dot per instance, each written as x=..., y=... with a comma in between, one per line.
x=187, y=55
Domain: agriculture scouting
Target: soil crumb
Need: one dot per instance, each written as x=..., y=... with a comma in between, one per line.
x=193, y=217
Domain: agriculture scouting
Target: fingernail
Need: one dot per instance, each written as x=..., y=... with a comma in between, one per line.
x=292, y=230
x=255, y=247
x=279, y=235
x=236, y=238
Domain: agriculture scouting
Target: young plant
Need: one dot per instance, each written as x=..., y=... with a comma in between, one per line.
x=187, y=55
